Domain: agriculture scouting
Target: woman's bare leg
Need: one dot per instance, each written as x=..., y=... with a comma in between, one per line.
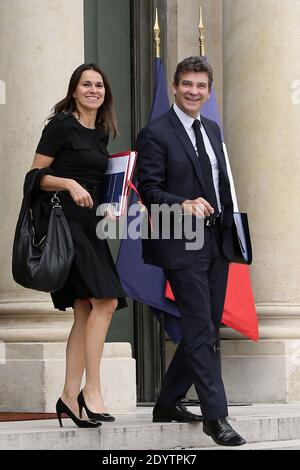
x=96, y=330
x=75, y=355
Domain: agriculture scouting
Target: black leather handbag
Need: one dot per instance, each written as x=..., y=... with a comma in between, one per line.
x=241, y=239
x=42, y=265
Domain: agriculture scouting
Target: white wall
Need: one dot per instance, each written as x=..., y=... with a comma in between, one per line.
x=42, y=42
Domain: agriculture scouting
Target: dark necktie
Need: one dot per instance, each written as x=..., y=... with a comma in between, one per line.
x=204, y=160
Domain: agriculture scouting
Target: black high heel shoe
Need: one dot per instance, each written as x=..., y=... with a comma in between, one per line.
x=96, y=417
x=61, y=407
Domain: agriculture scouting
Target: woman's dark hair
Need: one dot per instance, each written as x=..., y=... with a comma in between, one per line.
x=194, y=64
x=106, y=116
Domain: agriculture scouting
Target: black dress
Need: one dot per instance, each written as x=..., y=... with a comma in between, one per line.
x=81, y=154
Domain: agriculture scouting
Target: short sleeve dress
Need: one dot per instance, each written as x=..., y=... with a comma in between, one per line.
x=81, y=154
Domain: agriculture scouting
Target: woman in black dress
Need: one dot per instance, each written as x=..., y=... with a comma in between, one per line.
x=74, y=145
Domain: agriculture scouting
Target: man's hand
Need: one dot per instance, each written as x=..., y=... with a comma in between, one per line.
x=198, y=207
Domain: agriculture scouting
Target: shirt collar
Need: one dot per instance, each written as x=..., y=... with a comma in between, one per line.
x=186, y=120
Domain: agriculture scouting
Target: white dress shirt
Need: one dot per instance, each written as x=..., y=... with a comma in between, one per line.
x=187, y=122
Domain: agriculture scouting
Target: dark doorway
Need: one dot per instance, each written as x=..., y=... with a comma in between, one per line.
x=118, y=36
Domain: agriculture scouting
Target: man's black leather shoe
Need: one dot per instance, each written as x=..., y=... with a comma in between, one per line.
x=222, y=433
x=178, y=412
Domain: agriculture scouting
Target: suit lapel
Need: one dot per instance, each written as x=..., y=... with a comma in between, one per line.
x=217, y=146
x=186, y=143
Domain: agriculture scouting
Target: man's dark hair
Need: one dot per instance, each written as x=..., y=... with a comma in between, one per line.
x=194, y=64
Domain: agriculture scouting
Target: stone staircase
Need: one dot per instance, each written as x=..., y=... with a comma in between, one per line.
x=269, y=426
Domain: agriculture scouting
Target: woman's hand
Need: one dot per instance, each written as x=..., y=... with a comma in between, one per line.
x=80, y=196
x=109, y=214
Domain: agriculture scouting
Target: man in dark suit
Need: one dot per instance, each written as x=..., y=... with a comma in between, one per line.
x=181, y=162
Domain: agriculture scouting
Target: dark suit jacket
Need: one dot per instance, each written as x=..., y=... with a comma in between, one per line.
x=169, y=172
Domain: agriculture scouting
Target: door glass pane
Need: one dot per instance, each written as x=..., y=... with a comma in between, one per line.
x=108, y=43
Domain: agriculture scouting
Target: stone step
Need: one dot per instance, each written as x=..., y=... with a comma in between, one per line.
x=261, y=425
x=273, y=445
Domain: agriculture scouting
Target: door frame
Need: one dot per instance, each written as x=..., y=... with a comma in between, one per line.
x=148, y=333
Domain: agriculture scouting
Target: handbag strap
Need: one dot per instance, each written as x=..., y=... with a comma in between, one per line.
x=55, y=202
x=33, y=231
